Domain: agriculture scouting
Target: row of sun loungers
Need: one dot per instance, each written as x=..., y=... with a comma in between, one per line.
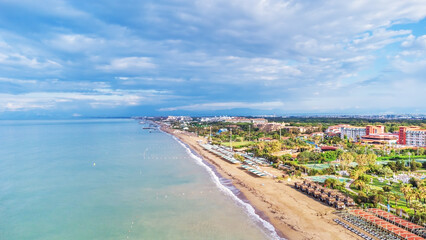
x=228, y=155
x=353, y=230
x=400, y=222
x=254, y=171
x=250, y=163
x=225, y=154
x=260, y=161
x=377, y=222
x=368, y=227
x=221, y=153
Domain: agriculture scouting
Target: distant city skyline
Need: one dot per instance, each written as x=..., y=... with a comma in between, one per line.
x=65, y=59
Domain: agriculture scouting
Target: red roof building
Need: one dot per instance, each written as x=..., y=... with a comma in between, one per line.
x=328, y=148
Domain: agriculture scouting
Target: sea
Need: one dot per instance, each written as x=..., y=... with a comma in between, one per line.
x=111, y=179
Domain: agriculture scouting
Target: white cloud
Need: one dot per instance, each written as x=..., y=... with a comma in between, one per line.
x=18, y=81
x=53, y=85
x=19, y=60
x=411, y=67
x=378, y=39
x=129, y=64
x=99, y=98
x=75, y=42
x=15, y=55
x=227, y=106
x=138, y=80
x=412, y=60
x=415, y=42
x=307, y=54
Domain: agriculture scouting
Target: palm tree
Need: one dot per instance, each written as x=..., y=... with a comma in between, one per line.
x=410, y=195
x=406, y=189
x=422, y=193
x=359, y=184
x=417, y=206
x=416, y=193
x=396, y=197
x=388, y=196
x=345, y=159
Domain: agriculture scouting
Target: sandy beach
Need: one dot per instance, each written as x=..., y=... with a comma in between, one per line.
x=294, y=214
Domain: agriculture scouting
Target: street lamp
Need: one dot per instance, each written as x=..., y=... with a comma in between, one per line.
x=409, y=160
x=230, y=138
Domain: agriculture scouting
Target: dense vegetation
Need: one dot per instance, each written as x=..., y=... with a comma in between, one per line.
x=369, y=167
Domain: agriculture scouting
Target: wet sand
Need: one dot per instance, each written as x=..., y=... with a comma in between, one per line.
x=293, y=214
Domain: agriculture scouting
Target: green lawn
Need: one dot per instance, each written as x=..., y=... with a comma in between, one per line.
x=395, y=188
x=238, y=144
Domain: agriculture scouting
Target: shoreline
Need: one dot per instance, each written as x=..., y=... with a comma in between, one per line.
x=227, y=183
x=292, y=214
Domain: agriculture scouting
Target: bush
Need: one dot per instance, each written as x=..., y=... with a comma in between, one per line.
x=313, y=172
x=361, y=198
x=374, y=199
x=331, y=182
x=330, y=170
x=239, y=157
x=414, y=182
x=297, y=173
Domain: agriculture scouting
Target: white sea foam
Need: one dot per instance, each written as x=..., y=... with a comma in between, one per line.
x=268, y=228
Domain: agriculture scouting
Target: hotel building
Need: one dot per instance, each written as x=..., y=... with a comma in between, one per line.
x=382, y=138
x=412, y=136
x=335, y=130
x=354, y=133
x=368, y=133
x=370, y=130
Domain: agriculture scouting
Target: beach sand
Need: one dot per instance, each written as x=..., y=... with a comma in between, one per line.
x=293, y=214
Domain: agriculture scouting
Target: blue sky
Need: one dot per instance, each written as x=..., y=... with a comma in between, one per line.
x=173, y=57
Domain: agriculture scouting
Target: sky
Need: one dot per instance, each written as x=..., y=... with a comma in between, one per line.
x=113, y=58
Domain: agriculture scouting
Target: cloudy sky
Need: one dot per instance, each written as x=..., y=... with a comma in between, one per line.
x=169, y=57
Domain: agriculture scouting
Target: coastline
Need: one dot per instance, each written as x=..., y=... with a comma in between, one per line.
x=292, y=214
x=225, y=185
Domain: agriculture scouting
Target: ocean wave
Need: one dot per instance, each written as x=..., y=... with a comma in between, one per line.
x=267, y=226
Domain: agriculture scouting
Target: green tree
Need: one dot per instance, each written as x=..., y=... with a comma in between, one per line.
x=330, y=156
x=359, y=184
x=371, y=159
x=331, y=182
x=387, y=171
x=387, y=188
x=345, y=159
x=422, y=193
x=362, y=159
x=416, y=206
x=286, y=157
x=407, y=189
x=374, y=199
x=395, y=196
x=388, y=196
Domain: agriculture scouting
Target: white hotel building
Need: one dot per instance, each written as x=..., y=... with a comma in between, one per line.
x=412, y=136
x=354, y=133
x=416, y=138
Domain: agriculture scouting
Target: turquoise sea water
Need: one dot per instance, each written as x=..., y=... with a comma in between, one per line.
x=109, y=179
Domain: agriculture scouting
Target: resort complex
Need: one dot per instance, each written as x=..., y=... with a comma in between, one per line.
x=371, y=175
x=213, y=119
